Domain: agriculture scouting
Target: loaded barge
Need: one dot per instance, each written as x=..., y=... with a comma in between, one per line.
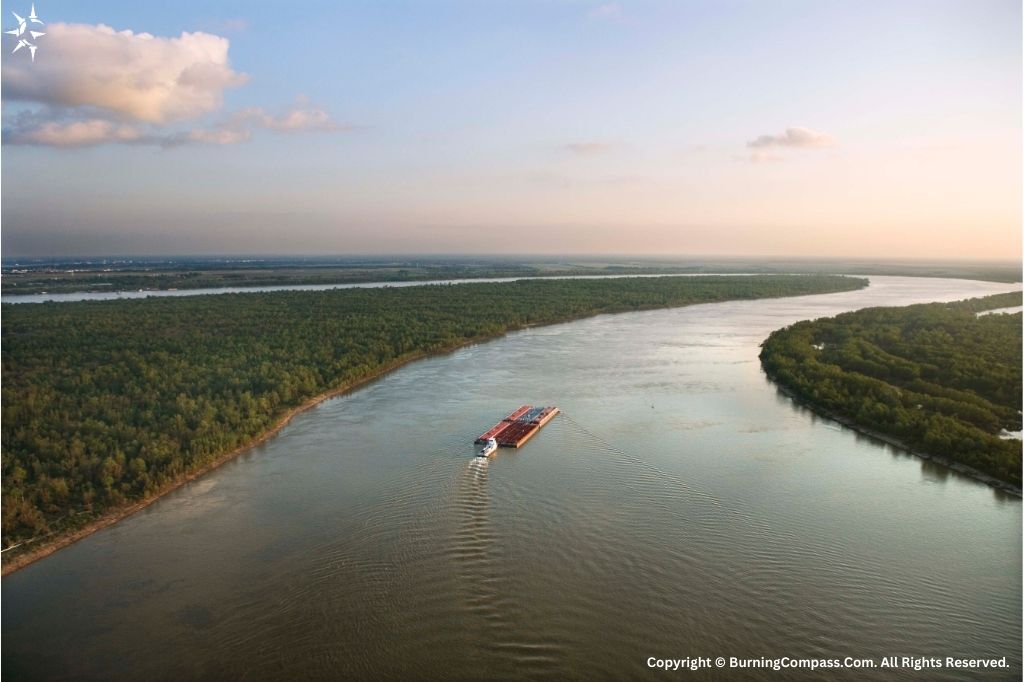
x=519, y=427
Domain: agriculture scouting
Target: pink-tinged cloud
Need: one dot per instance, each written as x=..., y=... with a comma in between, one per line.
x=219, y=136
x=86, y=133
x=239, y=126
x=101, y=86
x=133, y=76
x=296, y=119
x=795, y=138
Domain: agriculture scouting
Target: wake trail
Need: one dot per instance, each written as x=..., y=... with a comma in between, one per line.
x=473, y=550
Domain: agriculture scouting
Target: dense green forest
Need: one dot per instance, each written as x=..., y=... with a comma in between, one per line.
x=107, y=402
x=938, y=377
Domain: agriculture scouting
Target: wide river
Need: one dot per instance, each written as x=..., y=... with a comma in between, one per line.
x=680, y=506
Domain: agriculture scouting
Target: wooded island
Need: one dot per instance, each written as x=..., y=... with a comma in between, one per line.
x=937, y=377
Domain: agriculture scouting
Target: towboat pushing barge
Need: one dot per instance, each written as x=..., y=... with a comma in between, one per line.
x=518, y=427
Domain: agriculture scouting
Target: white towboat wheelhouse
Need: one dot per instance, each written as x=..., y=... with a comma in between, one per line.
x=490, y=445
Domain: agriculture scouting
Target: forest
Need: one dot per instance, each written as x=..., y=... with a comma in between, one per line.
x=938, y=377
x=105, y=275
x=110, y=402
x=132, y=276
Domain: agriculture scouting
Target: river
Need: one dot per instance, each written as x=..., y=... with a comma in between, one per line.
x=679, y=507
x=73, y=296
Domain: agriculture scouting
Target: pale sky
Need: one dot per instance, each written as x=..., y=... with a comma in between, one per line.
x=777, y=128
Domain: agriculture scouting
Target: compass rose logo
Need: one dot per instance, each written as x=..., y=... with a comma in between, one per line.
x=25, y=35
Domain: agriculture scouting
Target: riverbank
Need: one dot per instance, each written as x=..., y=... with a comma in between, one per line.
x=934, y=379
x=53, y=542
x=48, y=545
x=958, y=467
x=206, y=381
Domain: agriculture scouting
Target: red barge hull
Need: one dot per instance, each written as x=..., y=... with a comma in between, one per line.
x=520, y=426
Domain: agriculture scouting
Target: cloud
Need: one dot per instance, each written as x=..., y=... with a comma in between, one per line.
x=95, y=85
x=219, y=136
x=298, y=118
x=75, y=134
x=589, y=148
x=797, y=138
x=240, y=125
x=31, y=128
x=130, y=75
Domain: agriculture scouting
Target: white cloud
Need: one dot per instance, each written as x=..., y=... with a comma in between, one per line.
x=796, y=137
x=98, y=86
x=134, y=76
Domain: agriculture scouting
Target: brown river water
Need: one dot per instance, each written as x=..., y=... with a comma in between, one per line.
x=679, y=507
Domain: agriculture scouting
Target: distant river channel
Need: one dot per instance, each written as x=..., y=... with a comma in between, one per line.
x=70, y=297
x=679, y=507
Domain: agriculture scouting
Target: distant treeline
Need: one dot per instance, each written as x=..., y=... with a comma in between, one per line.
x=937, y=377
x=54, y=281
x=107, y=402
x=202, y=273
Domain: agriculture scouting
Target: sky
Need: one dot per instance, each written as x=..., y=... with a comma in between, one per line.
x=868, y=129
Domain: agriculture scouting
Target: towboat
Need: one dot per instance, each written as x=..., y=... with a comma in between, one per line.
x=490, y=445
x=519, y=427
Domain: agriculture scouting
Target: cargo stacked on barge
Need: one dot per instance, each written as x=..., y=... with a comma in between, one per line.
x=520, y=426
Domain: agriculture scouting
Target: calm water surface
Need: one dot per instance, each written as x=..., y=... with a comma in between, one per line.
x=679, y=507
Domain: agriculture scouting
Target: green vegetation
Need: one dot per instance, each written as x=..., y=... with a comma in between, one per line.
x=55, y=280
x=937, y=377
x=109, y=402
x=111, y=275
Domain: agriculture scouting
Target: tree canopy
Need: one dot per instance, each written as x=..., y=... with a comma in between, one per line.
x=938, y=377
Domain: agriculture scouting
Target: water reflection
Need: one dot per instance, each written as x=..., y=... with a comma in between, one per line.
x=934, y=472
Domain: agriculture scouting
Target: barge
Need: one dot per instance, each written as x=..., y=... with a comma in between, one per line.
x=519, y=427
